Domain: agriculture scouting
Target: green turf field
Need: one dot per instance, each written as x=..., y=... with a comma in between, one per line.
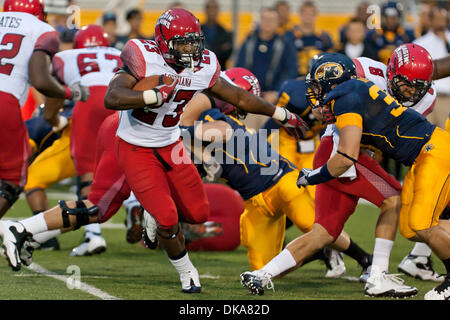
x=128, y=271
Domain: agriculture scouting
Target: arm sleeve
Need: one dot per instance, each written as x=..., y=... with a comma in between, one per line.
x=133, y=60
x=348, y=111
x=48, y=42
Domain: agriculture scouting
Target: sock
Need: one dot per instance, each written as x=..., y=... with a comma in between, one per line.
x=355, y=252
x=447, y=266
x=182, y=264
x=93, y=228
x=381, y=253
x=282, y=262
x=421, y=249
x=46, y=235
x=319, y=255
x=35, y=224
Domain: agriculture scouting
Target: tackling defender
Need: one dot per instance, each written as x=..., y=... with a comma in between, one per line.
x=368, y=115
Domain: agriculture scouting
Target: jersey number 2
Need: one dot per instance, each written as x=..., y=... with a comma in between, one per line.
x=16, y=41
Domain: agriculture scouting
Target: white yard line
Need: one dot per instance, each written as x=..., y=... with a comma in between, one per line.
x=83, y=286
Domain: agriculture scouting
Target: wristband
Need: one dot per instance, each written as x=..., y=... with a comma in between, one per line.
x=280, y=114
x=68, y=93
x=320, y=175
x=149, y=97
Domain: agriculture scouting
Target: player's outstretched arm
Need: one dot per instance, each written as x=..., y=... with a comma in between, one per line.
x=40, y=77
x=441, y=68
x=348, y=149
x=253, y=104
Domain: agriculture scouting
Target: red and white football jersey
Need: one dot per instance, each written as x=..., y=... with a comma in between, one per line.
x=375, y=71
x=93, y=66
x=159, y=127
x=20, y=35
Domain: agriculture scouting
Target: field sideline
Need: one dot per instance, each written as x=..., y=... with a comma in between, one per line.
x=132, y=272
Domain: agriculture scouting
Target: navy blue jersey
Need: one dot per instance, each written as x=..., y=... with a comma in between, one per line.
x=40, y=131
x=292, y=95
x=249, y=164
x=387, y=125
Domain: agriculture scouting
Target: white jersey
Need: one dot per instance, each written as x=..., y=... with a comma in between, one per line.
x=20, y=35
x=159, y=127
x=93, y=66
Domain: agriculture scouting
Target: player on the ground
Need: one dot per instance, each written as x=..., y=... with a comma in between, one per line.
x=93, y=63
x=368, y=115
x=28, y=47
x=166, y=183
x=246, y=161
x=408, y=64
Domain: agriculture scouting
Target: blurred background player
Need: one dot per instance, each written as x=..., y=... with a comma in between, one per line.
x=31, y=45
x=392, y=33
x=307, y=39
x=93, y=63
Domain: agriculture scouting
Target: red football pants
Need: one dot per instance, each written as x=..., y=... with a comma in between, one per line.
x=14, y=145
x=164, y=181
x=86, y=120
x=336, y=200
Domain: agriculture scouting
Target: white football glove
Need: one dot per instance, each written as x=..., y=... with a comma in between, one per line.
x=302, y=180
x=79, y=92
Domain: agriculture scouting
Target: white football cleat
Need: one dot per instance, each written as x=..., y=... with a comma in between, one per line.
x=93, y=244
x=382, y=284
x=419, y=267
x=26, y=252
x=256, y=281
x=441, y=292
x=365, y=274
x=13, y=235
x=190, y=281
x=149, y=233
x=335, y=263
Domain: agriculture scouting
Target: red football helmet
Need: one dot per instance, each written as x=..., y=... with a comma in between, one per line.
x=246, y=81
x=90, y=36
x=178, y=27
x=34, y=7
x=410, y=65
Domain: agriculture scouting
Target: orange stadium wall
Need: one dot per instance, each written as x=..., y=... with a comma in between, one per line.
x=327, y=22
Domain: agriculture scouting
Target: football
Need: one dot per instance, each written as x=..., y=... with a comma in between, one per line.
x=150, y=82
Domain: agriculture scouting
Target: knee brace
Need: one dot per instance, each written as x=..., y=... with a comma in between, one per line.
x=9, y=192
x=81, y=212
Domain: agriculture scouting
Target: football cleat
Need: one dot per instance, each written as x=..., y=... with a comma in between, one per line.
x=92, y=244
x=26, y=252
x=134, y=224
x=207, y=229
x=255, y=281
x=365, y=274
x=13, y=235
x=441, y=292
x=419, y=267
x=149, y=233
x=382, y=284
x=334, y=260
x=190, y=281
x=49, y=245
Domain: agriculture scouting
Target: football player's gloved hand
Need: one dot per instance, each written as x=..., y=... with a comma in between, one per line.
x=290, y=119
x=302, y=180
x=328, y=116
x=78, y=92
x=62, y=123
x=164, y=92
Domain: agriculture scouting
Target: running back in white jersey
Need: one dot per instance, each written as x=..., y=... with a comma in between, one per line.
x=375, y=71
x=20, y=35
x=93, y=66
x=159, y=127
